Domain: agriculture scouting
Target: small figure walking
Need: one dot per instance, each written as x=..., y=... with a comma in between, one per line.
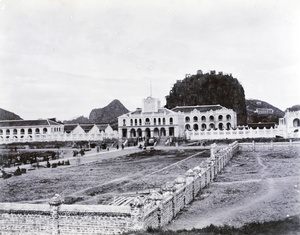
x=122, y=146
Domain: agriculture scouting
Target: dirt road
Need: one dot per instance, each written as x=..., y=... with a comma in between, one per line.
x=254, y=187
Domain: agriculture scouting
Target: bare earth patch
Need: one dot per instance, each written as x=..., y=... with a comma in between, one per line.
x=254, y=187
x=100, y=182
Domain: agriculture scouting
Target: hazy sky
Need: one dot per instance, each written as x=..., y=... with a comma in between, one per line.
x=62, y=58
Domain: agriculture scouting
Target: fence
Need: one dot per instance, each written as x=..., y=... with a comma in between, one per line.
x=271, y=146
x=235, y=134
x=57, y=137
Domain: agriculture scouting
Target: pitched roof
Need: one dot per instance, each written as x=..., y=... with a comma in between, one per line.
x=200, y=108
x=102, y=127
x=69, y=127
x=17, y=123
x=86, y=127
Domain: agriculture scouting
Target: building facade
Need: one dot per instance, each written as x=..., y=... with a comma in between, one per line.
x=154, y=121
x=206, y=117
x=289, y=125
x=150, y=121
x=50, y=130
x=29, y=130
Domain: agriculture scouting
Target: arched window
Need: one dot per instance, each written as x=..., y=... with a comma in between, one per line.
x=203, y=126
x=220, y=117
x=37, y=131
x=135, y=122
x=29, y=131
x=203, y=119
x=228, y=117
x=140, y=121
x=159, y=121
x=228, y=125
x=196, y=127
x=22, y=131
x=171, y=120
x=131, y=122
x=154, y=120
x=211, y=126
x=1, y=132
x=164, y=121
x=147, y=121
x=220, y=126
x=45, y=130
x=187, y=127
x=296, y=122
x=195, y=119
x=124, y=122
x=211, y=118
x=15, y=132
x=132, y=133
x=7, y=132
x=187, y=119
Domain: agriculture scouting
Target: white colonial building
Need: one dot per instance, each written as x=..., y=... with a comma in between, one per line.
x=29, y=130
x=150, y=121
x=289, y=125
x=206, y=117
x=154, y=121
x=50, y=130
x=90, y=131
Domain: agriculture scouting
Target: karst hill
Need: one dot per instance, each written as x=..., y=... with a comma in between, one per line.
x=108, y=114
x=7, y=115
x=208, y=89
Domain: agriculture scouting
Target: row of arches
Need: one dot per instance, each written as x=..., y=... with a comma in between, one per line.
x=156, y=132
x=149, y=121
x=20, y=137
x=211, y=118
x=195, y=127
x=22, y=131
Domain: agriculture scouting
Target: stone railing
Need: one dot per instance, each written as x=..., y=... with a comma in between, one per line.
x=271, y=146
x=155, y=209
x=58, y=137
x=234, y=134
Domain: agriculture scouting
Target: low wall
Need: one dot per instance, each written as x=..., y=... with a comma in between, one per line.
x=153, y=210
x=70, y=219
x=236, y=134
x=271, y=146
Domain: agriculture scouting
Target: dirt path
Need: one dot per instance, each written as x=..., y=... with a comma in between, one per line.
x=256, y=197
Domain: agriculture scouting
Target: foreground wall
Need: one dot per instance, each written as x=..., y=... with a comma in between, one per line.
x=153, y=210
x=63, y=219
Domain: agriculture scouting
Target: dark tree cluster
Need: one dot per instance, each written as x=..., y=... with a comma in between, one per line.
x=293, y=108
x=209, y=89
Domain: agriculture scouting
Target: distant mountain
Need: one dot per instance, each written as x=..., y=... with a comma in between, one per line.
x=6, y=115
x=261, y=111
x=80, y=119
x=108, y=114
